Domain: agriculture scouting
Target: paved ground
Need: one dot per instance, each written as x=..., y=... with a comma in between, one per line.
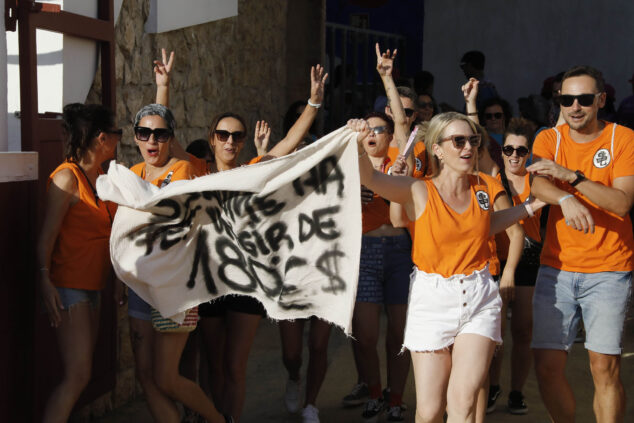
x=267, y=378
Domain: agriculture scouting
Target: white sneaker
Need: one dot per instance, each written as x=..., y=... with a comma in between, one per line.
x=291, y=397
x=310, y=414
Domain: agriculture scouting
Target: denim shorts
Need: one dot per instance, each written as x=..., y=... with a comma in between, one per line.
x=137, y=307
x=442, y=308
x=72, y=296
x=384, y=269
x=563, y=298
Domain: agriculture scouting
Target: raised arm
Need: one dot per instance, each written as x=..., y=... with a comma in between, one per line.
x=470, y=93
x=306, y=119
x=162, y=71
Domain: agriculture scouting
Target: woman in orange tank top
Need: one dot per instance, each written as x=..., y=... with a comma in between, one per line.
x=453, y=321
x=72, y=250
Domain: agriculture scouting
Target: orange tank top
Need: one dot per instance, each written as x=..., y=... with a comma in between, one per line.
x=81, y=255
x=376, y=213
x=180, y=170
x=450, y=243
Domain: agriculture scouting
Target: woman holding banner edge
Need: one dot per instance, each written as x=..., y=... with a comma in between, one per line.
x=454, y=208
x=235, y=318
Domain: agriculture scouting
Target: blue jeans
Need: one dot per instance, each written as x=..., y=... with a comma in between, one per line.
x=563, y=298
x=72, y=296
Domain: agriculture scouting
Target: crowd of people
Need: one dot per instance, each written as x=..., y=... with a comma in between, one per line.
x=487, y=215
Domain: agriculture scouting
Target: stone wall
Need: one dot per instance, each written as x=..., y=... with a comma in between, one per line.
x=239, y=64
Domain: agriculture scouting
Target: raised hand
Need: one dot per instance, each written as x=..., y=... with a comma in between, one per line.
x=361, y=127
x=262, y=136
x=163, y=68
x=384, y=61
x=470, y=90
x=317, y=83
x=399, y=168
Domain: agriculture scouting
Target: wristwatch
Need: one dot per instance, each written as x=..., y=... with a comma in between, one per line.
x=580, y=177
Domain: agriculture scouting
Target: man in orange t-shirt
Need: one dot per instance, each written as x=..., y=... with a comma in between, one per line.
x=586, y=173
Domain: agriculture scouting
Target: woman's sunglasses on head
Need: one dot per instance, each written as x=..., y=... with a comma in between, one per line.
x=160, y=134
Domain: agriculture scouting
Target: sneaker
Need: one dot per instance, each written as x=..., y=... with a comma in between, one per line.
x=310, y=414
x=516, y=403
x=494, y=393
x=386, y=398
x=373, y=409
x=395, y=414
x=291, y=397
x=357, y=396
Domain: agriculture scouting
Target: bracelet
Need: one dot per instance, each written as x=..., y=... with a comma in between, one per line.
x=565, y=197
x=362, y=154
x=529, y=210
x=43, y=269
x=315, y=105
x=472, y=114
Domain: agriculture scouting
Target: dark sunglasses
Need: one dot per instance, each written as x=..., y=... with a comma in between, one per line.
x=223, y=136
x=509, y=149
x=584, y=100
x=425, y=104
x=489, y=116
x=459, y=141
x=160, y=134
x=378, y=129
x=409, y=112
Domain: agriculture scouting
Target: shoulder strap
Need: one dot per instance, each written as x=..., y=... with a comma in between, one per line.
x=612, y=142
x=558, y=142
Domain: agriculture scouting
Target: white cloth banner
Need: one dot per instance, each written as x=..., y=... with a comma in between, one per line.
x=285, y=231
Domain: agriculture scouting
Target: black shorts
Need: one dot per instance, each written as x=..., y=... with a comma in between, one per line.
x=525, y=274
x=215, y=308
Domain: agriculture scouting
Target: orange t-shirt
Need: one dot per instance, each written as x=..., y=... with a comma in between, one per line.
x=610, y=247
x=81, y=254
x=530, y=225
x=455, y=243
x=181, y=170
x=376, y=213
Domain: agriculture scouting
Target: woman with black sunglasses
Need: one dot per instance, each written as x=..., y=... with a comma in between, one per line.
x=518, y=139
x=157, y=354
x=72, y=251
x=229, y=325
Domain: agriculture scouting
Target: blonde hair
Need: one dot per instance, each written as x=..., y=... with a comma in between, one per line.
x=434, y=134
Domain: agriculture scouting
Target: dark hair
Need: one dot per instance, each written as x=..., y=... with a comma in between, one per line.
x=82, y=123
x=506, y=108
x=381, y=115
x=156, y=110
x=521, y=127
x=475, y=58
x=216, y=120
x=422, y=81
x=199, y=148
x=406, y=92
x=588, y=71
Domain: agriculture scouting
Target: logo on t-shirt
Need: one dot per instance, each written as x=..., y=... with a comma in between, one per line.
x=601, y=158
x=419, y=164
x=483, y=200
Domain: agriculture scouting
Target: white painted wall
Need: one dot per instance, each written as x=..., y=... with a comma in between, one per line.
x=168, y=15
x=66, y=68
x=4, y=142
x=527, y=41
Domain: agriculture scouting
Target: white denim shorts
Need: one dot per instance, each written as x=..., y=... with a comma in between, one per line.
x=442, y=308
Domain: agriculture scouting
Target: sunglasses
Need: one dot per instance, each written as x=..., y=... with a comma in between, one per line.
x=223, y=136
x=509, y=149
x=378, y=129
x=491, y=116
x=160, y=134
x=118, y=132
x=584, y=100
x=409, y=112
x=424, y=105
x=459, y=141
